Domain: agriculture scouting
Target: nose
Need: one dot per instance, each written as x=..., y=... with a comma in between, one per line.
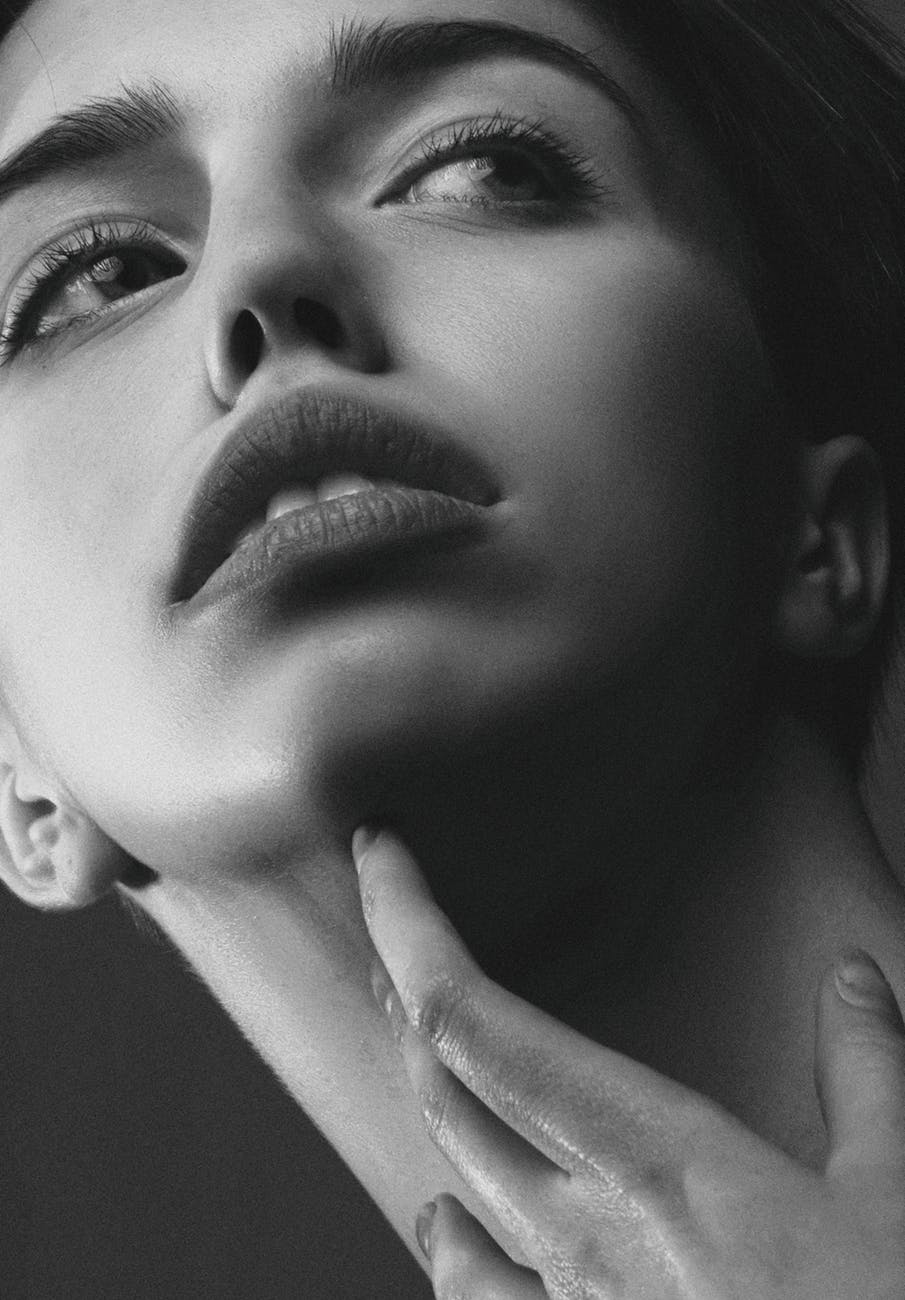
x=285, y=287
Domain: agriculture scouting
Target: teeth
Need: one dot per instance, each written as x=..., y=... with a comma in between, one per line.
x=341, y=485
x=292, y=498
x=247, y=532
x=300, y=495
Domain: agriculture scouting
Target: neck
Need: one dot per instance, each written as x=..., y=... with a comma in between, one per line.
x=770, y=880
x=712, y=981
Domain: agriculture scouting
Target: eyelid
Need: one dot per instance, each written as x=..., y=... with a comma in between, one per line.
x=176, y=241
x=463, y=137
x=46, y=270
x=567, y=170
x=120, y=312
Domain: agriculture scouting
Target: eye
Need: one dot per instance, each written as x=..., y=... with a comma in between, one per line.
x=80, y=278
x=111, y=277
x=499, y=162
x=497, y=179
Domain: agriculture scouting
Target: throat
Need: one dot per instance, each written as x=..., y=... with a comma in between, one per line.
x=782, y=873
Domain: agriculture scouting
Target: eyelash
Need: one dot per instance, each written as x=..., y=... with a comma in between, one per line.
x=58, y=263
x=570, y=175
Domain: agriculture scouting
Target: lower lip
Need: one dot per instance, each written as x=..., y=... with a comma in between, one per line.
x=332, y=537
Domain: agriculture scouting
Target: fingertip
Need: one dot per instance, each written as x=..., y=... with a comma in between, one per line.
x=860, y=982
x=444, y=1217
x=362, y=840
x=466, y=1261
x=860, y=1065
x=423, y=1225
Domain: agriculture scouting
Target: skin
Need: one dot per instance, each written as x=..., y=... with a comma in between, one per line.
x=519, y=713
x=231, y=718
x=613, y=1180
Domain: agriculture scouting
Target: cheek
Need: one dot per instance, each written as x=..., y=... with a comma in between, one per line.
x=619, y=398
x=94, y=449
x=86, y=539
x=639, y=420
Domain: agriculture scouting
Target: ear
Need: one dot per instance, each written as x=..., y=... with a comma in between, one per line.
x=838, y=568
x=52, y=855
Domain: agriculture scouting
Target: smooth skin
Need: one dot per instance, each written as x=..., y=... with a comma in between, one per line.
x=558, y=723
x=602, y=359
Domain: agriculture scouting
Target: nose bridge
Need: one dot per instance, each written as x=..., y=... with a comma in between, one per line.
x=261, y=223
x=280, y=279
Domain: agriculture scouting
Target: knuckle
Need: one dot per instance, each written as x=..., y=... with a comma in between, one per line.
x=643, y=1181
x=440, y=1011
x=586, y=1255
x=438, y=1106
x=583, y=1272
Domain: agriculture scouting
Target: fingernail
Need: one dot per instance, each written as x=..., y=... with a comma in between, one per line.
x=860, y=981
x=380, y=981
x=423, y=1225
x=388, y=1000
x=362, y=840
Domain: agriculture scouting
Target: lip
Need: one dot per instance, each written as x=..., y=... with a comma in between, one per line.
x=443, y=491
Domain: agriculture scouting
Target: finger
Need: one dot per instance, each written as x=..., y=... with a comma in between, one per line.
x=577, y=1102
x=515, y=1180
x=466, y=1262
x=860, y=1067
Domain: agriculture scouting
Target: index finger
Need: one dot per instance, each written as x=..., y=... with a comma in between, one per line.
x=579, y=1103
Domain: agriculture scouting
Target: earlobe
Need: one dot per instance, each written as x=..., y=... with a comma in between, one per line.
x=838, y=568
x=52, y=856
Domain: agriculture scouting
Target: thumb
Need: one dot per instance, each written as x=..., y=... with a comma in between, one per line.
x=860, y=1068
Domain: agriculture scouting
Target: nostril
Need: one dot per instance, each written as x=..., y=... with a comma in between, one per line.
x=319, y=322
x=246, y=343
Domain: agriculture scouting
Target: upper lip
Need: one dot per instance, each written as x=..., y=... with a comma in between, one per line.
x=300, y=438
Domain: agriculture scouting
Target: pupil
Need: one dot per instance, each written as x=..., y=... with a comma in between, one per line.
x=510, y=170
x=513, y=173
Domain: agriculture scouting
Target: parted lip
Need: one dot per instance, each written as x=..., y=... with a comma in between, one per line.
x=300, y=438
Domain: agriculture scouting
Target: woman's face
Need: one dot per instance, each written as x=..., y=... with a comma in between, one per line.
x=479, y=240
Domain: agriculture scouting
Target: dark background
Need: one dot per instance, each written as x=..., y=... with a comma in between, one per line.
x=145, y=1151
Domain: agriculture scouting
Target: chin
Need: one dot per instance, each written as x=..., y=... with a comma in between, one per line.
x=336, y=727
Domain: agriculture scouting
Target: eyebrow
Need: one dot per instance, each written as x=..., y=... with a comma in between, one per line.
x=360, y=56
x=96, y=131
x=365, y=55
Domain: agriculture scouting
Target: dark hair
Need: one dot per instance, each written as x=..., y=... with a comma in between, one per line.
x=801, y=106
x=10, y=12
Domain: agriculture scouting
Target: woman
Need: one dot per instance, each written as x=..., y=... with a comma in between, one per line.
x=485, y=420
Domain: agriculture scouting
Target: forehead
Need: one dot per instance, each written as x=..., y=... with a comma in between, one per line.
x=229, y=53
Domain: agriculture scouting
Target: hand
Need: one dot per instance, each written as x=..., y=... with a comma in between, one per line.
x=613, y=1180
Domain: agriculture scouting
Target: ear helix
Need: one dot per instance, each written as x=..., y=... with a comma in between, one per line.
x=56, y=857
x=85, y=862
x=812, y=551
x=836, y=576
